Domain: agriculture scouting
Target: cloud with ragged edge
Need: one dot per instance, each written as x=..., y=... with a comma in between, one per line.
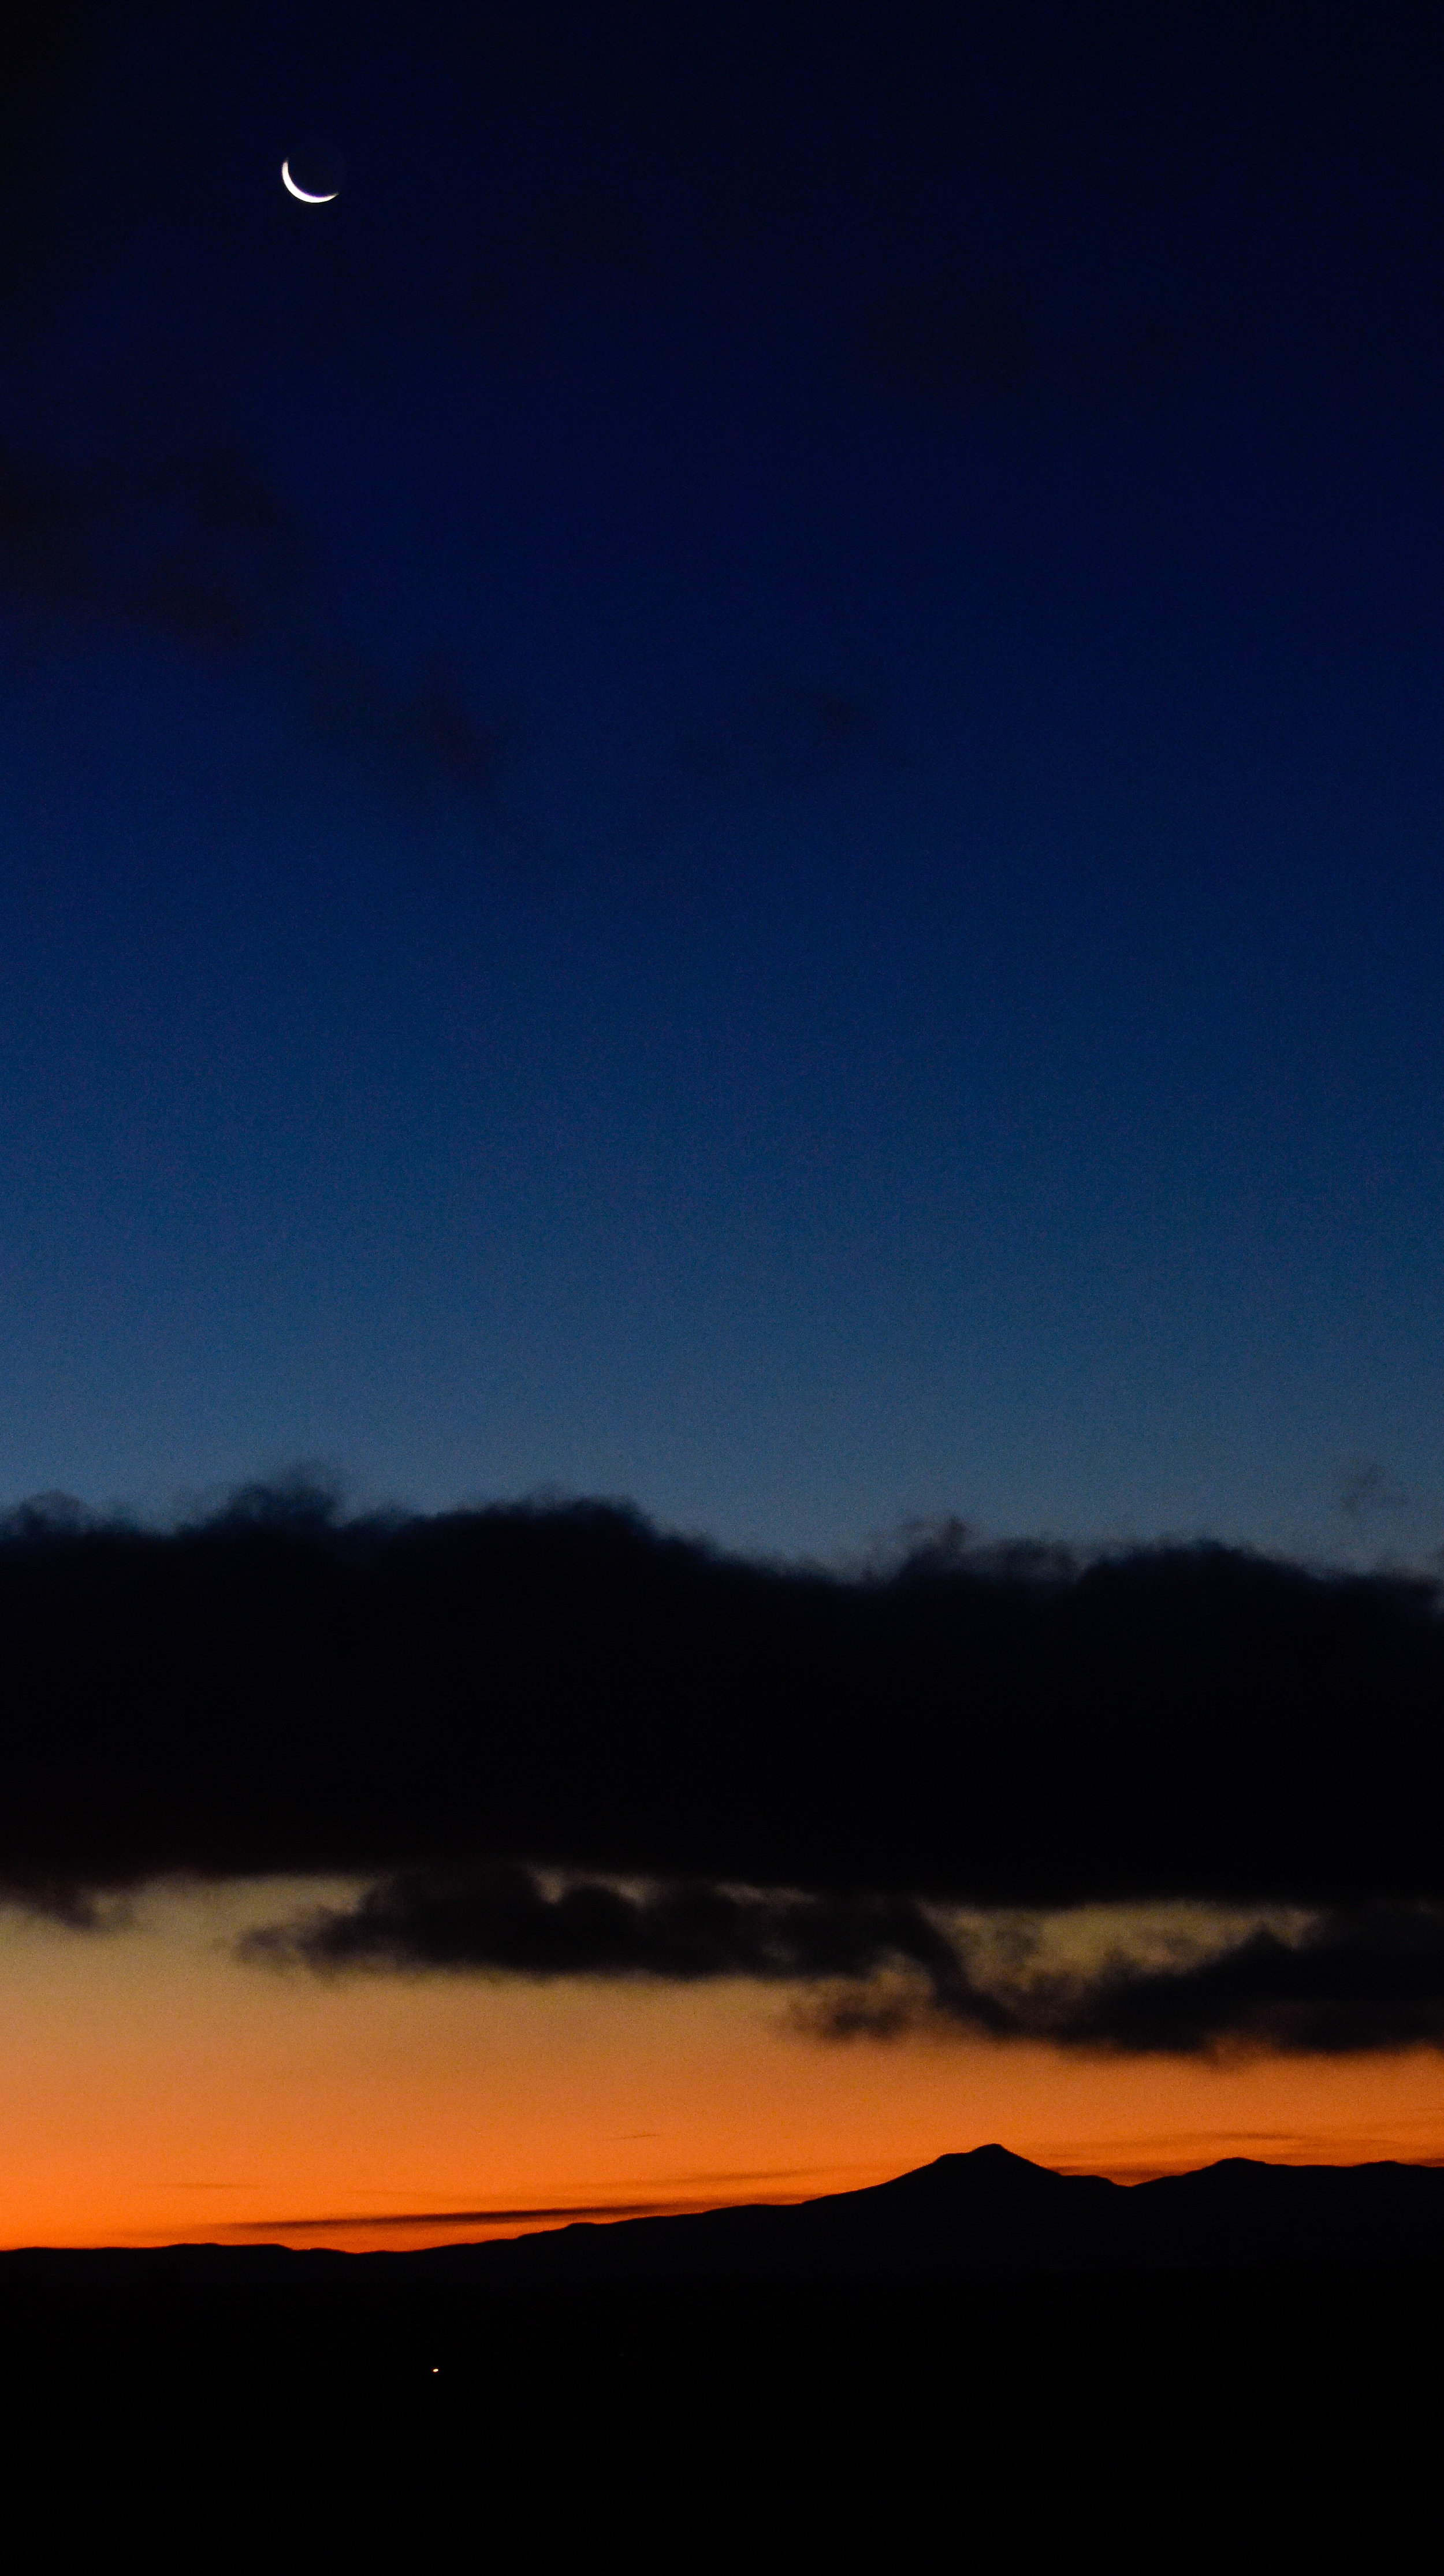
x=196, y=545
x=1337, y=1982
x=968, y=1791
x=199, y=548
x=504, y=1917
x=786, y=730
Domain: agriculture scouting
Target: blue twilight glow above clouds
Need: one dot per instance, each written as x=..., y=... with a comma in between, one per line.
x=795, y=875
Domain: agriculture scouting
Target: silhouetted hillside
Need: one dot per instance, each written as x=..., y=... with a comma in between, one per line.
x=992, y=2212
x=988, y=2212
x=982, y=2350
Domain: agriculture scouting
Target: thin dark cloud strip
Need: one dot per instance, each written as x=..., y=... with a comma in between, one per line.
x=471, y=2217
x=275, y=1690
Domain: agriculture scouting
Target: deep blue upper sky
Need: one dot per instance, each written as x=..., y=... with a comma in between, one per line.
x=732, y=791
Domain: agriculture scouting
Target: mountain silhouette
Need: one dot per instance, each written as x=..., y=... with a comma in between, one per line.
x=988, y=2212
x=982, y=2347
x=994, y=2212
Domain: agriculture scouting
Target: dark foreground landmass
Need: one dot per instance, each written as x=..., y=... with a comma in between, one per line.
x=322, y=2410
x=1250, y=2417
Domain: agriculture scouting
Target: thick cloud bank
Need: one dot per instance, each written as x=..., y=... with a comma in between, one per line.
x=558, y=1743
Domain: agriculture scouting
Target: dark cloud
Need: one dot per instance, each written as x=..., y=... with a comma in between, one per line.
x=201, y=549
x=503, y=1918
x=1337, y=1983
x=1352, y=1979
x=1369, y=1488
x=415, y=736
x=560, y=1687
x=1342, y=1983
x=785, y=731
x=558, y=1744
x=198, y=546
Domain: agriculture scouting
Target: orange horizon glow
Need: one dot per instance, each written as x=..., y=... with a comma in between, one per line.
x=155, y=2092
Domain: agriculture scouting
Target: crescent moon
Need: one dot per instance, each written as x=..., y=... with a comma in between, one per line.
x=304, y=193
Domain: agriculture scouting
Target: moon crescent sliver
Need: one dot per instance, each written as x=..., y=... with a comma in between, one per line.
x=304, y=193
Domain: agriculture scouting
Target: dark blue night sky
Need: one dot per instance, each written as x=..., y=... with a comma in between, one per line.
x=731, y=792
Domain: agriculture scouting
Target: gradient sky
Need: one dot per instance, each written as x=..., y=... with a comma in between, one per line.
x=730, y=793
x=154, y=2092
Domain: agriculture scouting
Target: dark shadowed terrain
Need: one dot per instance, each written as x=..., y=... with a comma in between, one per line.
x=1221, y=2372
x=989, y=2419
x=991, y=2212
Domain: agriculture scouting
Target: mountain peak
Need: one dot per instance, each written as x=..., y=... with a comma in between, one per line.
x=992, y=2158
x=988, y=2167
x=985, y=2164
